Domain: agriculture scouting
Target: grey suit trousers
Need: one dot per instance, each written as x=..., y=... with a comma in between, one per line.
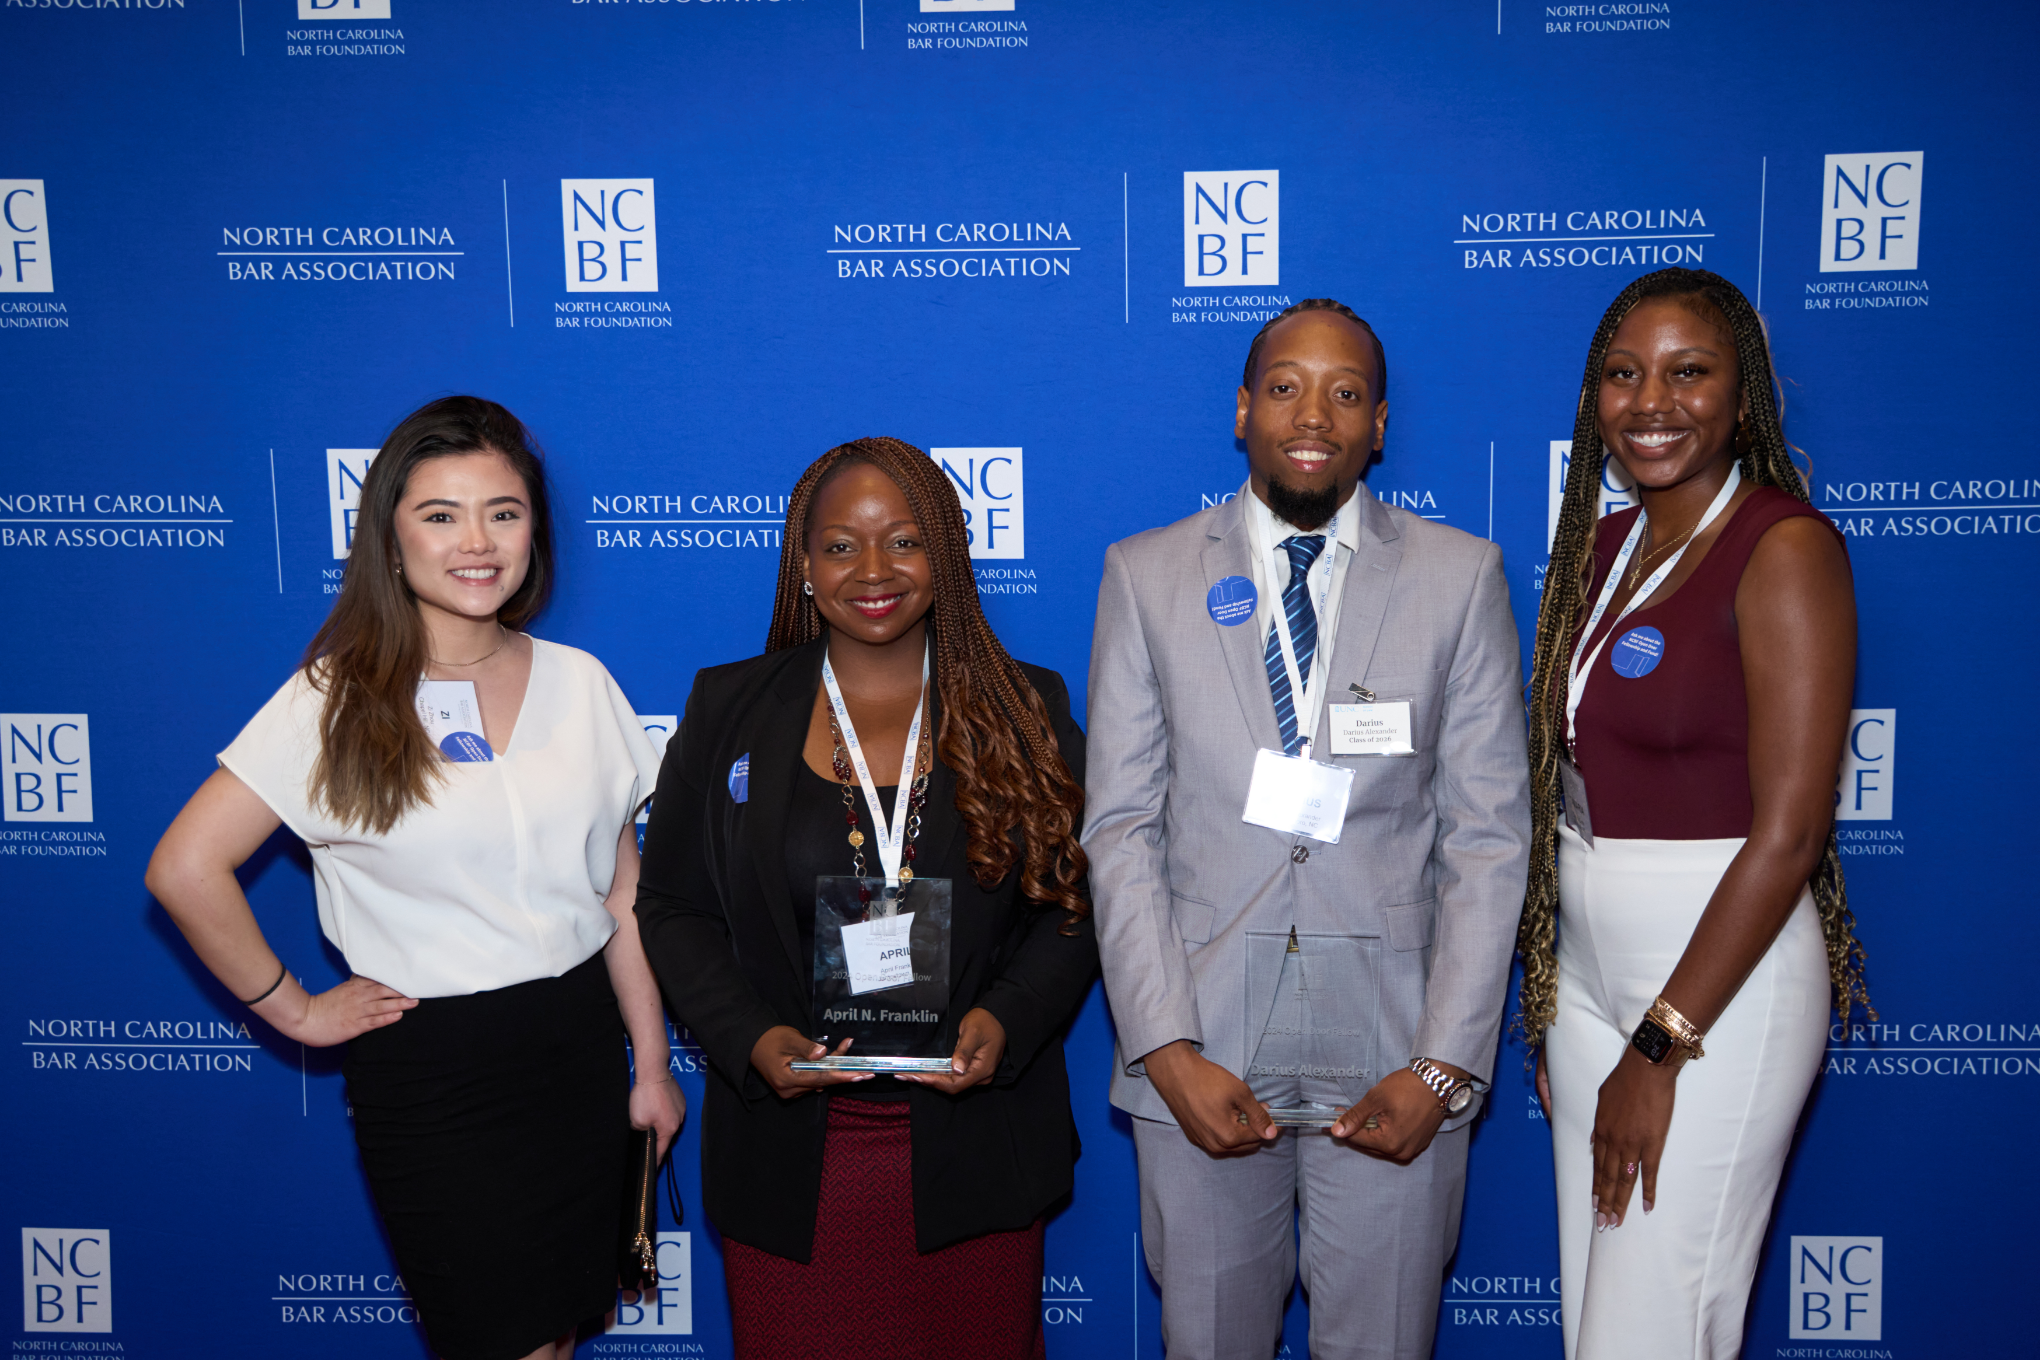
x=1226, y=1236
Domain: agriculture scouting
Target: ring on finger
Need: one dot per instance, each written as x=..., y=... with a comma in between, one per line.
x=1629, y=1170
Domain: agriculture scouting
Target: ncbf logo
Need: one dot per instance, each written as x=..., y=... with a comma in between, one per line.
x=343, y=9
x=1863, y=790
x=660, y=727
x=46, y=760
x=1837, y=1289
x=1870, y=211
x=345, y=469
x=612, y=235
x=670, y=1310
x=1616, y=491
x=990, y=484
x=26, y=266
x=1232, y=227
x=66, y=1280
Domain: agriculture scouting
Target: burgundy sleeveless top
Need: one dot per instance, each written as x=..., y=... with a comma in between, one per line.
x=1666, y=755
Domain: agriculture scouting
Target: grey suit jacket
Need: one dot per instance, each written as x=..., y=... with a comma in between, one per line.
x=1432, y=860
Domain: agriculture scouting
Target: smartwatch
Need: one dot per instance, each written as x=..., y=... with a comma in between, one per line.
x=1656, y=1043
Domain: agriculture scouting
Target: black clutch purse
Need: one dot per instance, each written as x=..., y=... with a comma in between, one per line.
x=638, y=1255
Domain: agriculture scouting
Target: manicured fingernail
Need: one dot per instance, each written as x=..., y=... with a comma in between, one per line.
x=1648, y=1206
x=1597, y=1201
x=1600, y=1223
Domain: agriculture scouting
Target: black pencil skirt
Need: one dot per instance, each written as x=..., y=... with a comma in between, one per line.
x=494, y=1131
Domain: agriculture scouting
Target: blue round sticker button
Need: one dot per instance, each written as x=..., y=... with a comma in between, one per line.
x=1232, y=601
x=1637, y=653
x=466, y=747
x=740, y=779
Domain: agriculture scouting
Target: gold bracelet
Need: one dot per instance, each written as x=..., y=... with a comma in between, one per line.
x=1678, y=1026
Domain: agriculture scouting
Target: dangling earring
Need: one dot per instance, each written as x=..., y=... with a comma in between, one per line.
x=807, y=587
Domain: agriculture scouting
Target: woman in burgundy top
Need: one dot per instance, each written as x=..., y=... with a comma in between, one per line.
x=1693, y=674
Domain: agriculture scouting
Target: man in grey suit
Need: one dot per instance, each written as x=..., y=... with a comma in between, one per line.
x=1357, y=963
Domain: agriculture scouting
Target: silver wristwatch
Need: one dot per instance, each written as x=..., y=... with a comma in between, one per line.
x=1454, y=1094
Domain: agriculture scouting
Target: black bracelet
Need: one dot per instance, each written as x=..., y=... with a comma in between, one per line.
x=271, y=989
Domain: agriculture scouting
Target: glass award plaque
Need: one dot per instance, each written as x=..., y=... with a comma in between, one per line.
x=1315, y=997
x=881, y=974
x=845, y=1062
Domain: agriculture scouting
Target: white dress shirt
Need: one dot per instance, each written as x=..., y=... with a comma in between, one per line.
x=1326, y=580
x=501, y=877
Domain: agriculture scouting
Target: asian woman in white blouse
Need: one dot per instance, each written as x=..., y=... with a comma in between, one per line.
x=479, y=884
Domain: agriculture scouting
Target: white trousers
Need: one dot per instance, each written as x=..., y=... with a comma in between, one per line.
x=1673, y=1283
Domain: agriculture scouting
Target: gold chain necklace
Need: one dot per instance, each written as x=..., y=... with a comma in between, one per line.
x=458, y=665
x=1636, y=572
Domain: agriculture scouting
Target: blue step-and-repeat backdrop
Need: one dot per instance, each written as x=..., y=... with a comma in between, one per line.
x=694, y=244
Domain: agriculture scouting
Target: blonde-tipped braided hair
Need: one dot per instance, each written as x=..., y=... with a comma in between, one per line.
x=1766, y=460
x=994, y=732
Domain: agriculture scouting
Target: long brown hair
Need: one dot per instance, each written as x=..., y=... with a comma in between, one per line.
x=1766, y=460
x=994, y=732
x=375, y=762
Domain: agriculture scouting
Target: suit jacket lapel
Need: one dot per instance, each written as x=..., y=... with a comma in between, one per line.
x=1243, y=644
x=780, y=731
x=1370, y=576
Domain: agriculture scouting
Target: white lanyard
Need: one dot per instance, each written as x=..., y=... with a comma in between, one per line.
x=1308, y=700
x=892, y=836
x=1578, y=672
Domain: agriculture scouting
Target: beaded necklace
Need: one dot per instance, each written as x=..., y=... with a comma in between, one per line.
x=917, y=799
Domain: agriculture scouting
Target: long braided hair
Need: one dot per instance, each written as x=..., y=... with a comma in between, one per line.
x=1766, y=460
x=994, y=732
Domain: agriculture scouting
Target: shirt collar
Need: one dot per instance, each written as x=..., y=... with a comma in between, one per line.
x=1275, y=528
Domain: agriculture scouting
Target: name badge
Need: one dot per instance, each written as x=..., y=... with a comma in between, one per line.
x=1298, y=796
x=1372, y=729
x=1572, y=787
x=878, y=954
x=453, y=719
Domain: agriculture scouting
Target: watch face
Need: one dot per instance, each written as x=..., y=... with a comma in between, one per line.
x=1653, y=1042
x=1460, y=1098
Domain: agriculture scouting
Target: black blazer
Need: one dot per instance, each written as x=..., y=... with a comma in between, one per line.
x=718, y=927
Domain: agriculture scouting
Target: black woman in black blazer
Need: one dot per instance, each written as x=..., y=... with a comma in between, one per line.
x=893, y=1217
x=718, y=924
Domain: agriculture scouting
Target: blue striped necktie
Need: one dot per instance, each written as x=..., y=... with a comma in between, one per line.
x=1303, y=549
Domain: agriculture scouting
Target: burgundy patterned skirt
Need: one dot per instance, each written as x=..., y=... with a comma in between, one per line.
x=868, y=1294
